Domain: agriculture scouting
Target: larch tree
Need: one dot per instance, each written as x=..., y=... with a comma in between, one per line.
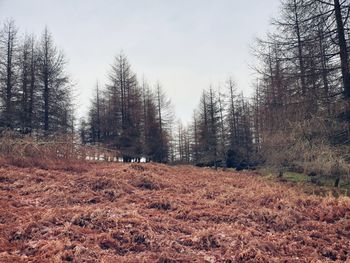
x=8, y=73
x=55, y=87
x=165, y=117
x=28, y=69
x=124, y=96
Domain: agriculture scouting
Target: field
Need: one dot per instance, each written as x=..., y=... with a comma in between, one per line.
x=158, y=213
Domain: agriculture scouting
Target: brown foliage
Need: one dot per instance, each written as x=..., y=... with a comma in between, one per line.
x=192, y=215
x=306, y=147
x=59, y=152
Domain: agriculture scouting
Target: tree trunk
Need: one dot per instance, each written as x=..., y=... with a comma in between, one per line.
x=300, y=50
x=343, y=49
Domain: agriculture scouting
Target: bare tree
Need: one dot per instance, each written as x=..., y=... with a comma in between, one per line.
x=55, y=85
x=8, y=72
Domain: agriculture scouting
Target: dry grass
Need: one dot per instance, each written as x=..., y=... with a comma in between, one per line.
x=307, y=146
x=59, y=152
x=157, y=213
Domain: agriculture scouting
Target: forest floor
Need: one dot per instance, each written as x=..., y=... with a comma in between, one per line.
x=315, y=185
x=158, y=213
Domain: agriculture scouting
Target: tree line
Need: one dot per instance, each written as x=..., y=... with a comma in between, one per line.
x=297, y=118
x=129, y=116
x=302, y=93
x=299, y=115
x=36, y=99
x=221, y=130
x=35, y=89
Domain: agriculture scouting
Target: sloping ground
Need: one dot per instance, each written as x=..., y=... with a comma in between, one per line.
x=156, y=213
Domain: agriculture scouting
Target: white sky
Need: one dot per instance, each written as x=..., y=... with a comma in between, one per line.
x=186, y=45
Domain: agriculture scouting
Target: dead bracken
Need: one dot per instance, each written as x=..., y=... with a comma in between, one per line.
x=158, y=213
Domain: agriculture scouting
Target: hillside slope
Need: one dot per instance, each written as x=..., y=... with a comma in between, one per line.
x=157, y=213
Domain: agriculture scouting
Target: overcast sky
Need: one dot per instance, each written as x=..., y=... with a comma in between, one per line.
x=186, y=45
